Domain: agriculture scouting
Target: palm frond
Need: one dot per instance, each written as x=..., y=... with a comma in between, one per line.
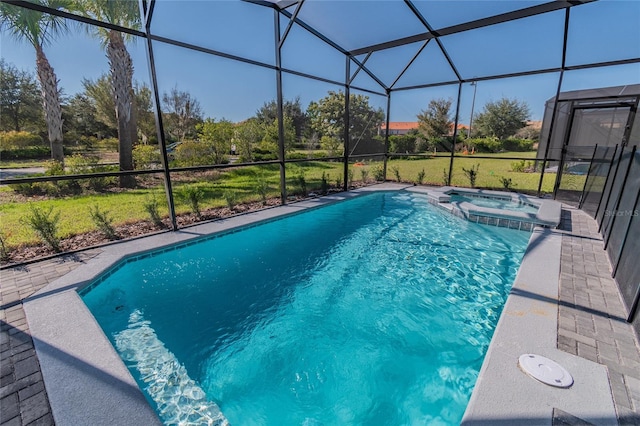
x=36, y=27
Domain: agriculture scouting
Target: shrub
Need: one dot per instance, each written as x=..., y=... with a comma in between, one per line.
x=145, y=156
x=302, y=183
x=151, y=207
x=192, y=153
x=45, y=224
x=4, y=252
x=262, y=187
x=518, y=145
x=507, y=183
x=518, y=166
x=103, y=222
x=87, y=164
x=349, y=177
x=37, y=188
x=17, y=140
x=339, y=181
x=54, y=168
x=231, y=198
x=472, y=174
x=378, y=173
x=333, y=146
x=424, y=145
x=193, y=195
x=365, y=175
x=402, y=144
x=28, y=153
x=485, y=144
x=109, y=144
x=297, y=156
x=324, y=183
x=265, y=151
x=445, y=177
x=396, y=172
x=421, y=175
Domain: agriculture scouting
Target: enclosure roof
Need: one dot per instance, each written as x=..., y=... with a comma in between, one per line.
x=602, y=92
x=464, y=41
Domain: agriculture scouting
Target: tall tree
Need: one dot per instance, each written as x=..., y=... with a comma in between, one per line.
x=100, y=93
x=39, y=29
x=327, y=116
x=271, y=135
x=502, y=118
x=248, y=135
x=435, y=121
x=183, y=113
x=125, y=13
x=218, y=136
x=146, y=119
x=20, y=101
x=81, y=119
x=292, y=109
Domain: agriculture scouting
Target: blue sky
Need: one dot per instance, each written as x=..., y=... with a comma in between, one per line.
x=602, y=31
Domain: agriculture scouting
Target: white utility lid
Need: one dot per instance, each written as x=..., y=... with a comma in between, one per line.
x=545, y=370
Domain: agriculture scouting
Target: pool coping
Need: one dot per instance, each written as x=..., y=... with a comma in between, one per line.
x=87, y=382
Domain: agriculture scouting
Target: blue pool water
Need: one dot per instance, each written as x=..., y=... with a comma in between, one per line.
x=376, y=310
x=496, y=203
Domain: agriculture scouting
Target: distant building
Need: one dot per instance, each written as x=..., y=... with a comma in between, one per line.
x=404, y=127
x=399, y=127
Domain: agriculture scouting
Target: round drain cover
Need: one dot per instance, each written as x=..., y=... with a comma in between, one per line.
x=545, y=370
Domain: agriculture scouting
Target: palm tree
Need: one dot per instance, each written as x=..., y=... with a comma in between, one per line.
x=39, y=29
x=124, y=13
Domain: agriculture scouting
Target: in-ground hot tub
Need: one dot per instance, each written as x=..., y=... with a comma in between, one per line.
x=498, y=208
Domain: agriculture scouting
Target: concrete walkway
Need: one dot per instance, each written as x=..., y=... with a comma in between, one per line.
x=590, y=325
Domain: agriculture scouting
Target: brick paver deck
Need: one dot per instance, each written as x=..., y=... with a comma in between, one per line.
x=591, y=317
x=590, y=325
x=23, y=398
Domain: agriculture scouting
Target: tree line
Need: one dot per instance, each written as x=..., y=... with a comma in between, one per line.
x=500, y=125
x=93, y=115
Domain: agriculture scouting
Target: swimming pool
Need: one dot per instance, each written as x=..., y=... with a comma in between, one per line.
x=377, y=309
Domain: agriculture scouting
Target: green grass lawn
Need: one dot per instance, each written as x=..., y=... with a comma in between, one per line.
x=490, y=172
x=128, y=206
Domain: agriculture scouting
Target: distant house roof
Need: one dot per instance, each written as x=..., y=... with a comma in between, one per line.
x=400, y=125
x=404, y=126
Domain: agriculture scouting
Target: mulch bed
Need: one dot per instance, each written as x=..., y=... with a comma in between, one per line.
x=29, y=253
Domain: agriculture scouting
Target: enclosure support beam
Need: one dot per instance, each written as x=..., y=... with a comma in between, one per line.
x=626, y=235
x=158, y=116
x=619, y=197
x=613, y=179
x=606, y=181
x=409, y=64
x=565, y=143
x=281, y=151
x=636, y=299
x=347, y=95
x=455, y=134
x=584, y=188
x=386, y=138
x=556, y=101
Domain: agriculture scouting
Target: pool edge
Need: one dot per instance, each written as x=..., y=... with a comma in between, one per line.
x=503, y=393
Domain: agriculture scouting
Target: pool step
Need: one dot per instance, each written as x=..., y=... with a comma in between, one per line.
x=179, y=399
